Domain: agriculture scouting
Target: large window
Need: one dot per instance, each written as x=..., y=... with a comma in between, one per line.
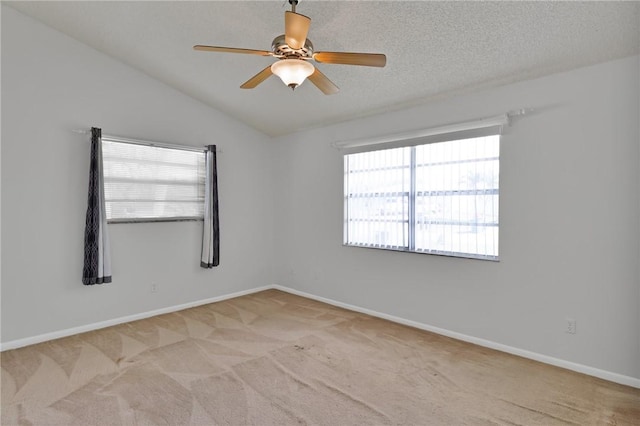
x=438, y=198
x=152, y=183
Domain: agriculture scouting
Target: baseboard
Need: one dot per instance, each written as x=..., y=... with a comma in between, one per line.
x=18, y=343
x=580, y=368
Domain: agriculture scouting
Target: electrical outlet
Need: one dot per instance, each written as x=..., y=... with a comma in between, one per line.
x=154, y=288
x=571, y=326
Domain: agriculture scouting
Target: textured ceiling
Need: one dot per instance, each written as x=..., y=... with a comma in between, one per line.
x=433, y=49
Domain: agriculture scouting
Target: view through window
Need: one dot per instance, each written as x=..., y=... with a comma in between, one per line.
x=438, y=198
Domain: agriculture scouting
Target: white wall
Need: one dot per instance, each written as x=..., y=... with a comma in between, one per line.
x=52, y=84
x=569, y=231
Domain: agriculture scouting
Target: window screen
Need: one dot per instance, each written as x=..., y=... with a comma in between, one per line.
x=150, y=183
x=439, y=198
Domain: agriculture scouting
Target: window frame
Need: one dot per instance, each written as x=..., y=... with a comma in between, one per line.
x=153, y=144
x=412, y=192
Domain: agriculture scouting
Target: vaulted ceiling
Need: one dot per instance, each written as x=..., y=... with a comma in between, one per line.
x=433, y=49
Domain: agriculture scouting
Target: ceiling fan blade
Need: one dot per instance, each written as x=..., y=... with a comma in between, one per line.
x=366, y=59
x=296, y=27
x=257, y=79
x=231, y=50
x=323, y=83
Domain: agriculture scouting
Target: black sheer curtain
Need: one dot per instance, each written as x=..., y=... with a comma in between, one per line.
x=211, y=229
x=97, y=259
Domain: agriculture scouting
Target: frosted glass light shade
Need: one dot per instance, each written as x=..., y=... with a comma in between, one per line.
x=292, y=72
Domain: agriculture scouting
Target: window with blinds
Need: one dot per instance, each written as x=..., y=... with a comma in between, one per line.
x=438, y=198
x=144, y=183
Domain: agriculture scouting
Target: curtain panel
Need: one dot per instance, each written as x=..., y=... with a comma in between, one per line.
x=211, y=228
x=97, y=259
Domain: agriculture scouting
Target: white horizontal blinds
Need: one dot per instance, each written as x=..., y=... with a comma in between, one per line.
x=152, y=183
x=457, y=192
x=377, y=198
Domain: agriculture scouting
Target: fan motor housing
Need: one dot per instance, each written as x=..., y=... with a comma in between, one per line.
x=281, y=49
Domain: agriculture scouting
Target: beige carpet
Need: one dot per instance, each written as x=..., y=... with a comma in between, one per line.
x=272, y=358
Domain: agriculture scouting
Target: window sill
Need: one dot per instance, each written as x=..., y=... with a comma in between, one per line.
x=434, y=253
x=151, y=220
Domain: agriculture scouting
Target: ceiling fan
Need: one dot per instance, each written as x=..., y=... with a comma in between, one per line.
x=295, y=53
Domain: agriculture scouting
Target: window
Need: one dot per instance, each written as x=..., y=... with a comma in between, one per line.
x=438, y=198
x=152, y=183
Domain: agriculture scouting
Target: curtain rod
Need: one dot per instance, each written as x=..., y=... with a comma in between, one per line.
x=145, y=142
x=498, y=120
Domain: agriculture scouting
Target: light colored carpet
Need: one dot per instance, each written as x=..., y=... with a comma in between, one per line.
x=272, y=358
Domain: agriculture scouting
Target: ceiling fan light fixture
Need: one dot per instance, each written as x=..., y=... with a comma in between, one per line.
x=292, y=72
